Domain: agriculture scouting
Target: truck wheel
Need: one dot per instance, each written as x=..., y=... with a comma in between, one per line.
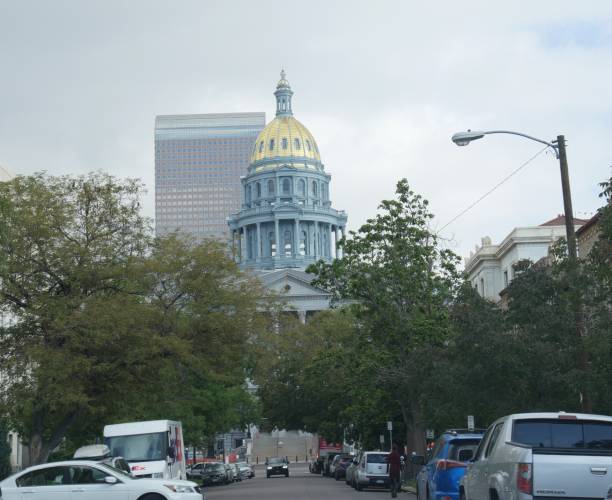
x=358, y=486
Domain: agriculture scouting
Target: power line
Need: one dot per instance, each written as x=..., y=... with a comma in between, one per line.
x=511, y=174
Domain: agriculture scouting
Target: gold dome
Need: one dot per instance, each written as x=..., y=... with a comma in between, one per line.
x=285, y=139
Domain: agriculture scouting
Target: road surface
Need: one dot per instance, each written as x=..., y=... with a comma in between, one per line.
x=300, y=485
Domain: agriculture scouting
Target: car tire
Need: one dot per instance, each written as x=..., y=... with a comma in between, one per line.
x=462, y=495
x=151, y=496
x=268, y=476
x=337, y=476
x=358, y=486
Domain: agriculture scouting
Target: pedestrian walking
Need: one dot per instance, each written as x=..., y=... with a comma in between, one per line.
x=394, y=461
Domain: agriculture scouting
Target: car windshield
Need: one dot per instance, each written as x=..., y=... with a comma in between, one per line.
x=377, y=458
x=346, y=459
x=460, y=449
x=116, y=471
x=215, y=468
x=139, y=447
x=276, y=461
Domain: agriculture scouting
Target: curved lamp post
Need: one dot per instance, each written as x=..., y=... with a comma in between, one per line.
x=558, y=146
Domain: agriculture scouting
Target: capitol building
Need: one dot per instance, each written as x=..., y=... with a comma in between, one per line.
x=286, y=221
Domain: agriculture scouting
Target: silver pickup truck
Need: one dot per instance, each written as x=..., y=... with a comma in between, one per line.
x=542, y=456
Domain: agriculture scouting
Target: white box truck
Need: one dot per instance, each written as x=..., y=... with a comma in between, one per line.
x=153, y=448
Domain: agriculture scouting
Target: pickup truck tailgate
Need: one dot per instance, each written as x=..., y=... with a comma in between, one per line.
x=571, y=475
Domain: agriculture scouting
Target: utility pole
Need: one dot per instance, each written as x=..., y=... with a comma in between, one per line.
x=585, y=400
x=567, y=199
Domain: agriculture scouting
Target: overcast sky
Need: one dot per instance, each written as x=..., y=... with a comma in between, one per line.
x=382, y=85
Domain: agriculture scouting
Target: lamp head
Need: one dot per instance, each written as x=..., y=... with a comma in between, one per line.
x=464, y=138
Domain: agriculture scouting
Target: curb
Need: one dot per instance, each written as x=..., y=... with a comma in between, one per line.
x=409, y=489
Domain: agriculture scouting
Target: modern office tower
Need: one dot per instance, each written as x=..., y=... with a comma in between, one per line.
x=199, y=160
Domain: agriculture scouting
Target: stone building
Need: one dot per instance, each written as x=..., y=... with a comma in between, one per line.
x=287, y=221
x=490, y=268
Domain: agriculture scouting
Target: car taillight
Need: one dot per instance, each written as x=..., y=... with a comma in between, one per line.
x=523, y=478
x=448, y=464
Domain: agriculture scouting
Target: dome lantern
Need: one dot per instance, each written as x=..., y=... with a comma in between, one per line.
x=283, y=95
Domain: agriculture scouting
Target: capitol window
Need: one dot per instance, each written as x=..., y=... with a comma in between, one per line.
x=308, y=145
x=284, y=143
x=286, y=186
x=296, y=142
x=271, y=147
x=261, y=146
x=271, y=188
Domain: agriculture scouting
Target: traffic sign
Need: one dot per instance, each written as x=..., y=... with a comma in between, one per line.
x=429, y=434
x=470, y=422
x=389, y=425
x=382, y=439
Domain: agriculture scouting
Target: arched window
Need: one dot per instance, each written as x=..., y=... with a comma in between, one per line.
x=287, y=242
x=258, y=189
x=261, y=146
x=296, y=143
x=272, y=244
x=284, y=143
x=324, y=191
x=271, y=146
x=302, y=187
x=286, y=186
x=314, y=188
x=248, y=194
x=271, y=190
x=307, y=146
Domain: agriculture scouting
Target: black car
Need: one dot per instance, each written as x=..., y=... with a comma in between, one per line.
x=339, y=465
x=277, y=466
x=214, y=474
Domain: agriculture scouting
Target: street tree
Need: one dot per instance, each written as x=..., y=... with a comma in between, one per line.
x=402, y=281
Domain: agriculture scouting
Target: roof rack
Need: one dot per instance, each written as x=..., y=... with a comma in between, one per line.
x=456, y=432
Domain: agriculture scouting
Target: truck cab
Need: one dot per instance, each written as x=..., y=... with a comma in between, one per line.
x=152, y=448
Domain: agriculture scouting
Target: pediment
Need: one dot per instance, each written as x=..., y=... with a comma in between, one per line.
x=287, y=285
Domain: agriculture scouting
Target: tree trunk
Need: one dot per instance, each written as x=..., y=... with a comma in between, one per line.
x=418, y=428
x=39, y=449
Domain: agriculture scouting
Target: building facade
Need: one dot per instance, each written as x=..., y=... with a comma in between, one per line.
x=199, y=160
x=286, y=219
x=490, y=268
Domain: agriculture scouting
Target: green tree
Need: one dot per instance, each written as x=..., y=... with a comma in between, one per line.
x=402, y=280
x=111, y=324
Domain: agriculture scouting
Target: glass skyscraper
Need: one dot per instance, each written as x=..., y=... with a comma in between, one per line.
x=199, y=160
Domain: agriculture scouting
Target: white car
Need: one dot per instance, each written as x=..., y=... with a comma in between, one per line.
x=90, y=480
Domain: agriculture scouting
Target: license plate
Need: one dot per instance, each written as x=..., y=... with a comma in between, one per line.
x=380, y=481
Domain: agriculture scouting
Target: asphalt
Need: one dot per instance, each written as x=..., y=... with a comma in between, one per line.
x=300, y=485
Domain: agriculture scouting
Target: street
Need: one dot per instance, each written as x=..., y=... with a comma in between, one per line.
x=300, y=485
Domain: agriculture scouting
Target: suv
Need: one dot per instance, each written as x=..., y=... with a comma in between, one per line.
x=372, y=471
x=542, y=455
x=277, y=466
x=446, y=464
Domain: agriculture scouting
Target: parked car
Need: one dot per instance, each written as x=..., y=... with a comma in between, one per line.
x=246, y=471
x=339, y=465
x=195, y=471
x=88, y=479
x=277, y=466
x=444, y=467
x=215, y=473
x=327, y=461
x=334, y=462
x=235, y=471
x=542, y=455
x=315, y=466
x=349, y=475
x=372, y=471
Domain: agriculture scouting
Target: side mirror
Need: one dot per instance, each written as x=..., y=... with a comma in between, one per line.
x=111, y=480
x=355, y=461
x=171, y=453
x=417, y=459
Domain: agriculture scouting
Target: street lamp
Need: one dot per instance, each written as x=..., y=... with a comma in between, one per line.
x=558, y=146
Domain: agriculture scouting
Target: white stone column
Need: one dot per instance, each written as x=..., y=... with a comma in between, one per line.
x=316, y=240
x=276, y=240
x=258, y=244
x=330, y=238
x=296, y=238
x=302, y=317
x=337, y=239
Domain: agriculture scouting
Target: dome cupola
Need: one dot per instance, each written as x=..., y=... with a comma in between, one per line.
x=285, y=141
